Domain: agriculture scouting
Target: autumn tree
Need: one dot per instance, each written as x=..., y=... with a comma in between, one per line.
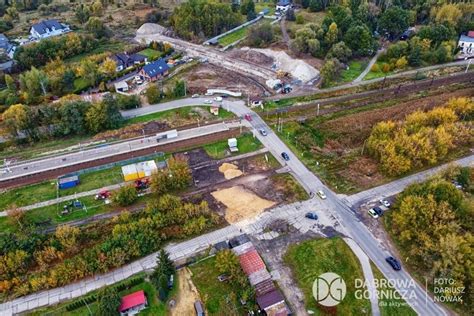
x=17, y=215
x=34, y=83
x=125, y=196
x=103, y=115
x=19, y=118
x=227, y=262
x=108, y=67
x=176, y=176
x=332, y=34
x=67, y=237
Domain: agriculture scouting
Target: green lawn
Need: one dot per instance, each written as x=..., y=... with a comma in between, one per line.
x=150, y=53
x=105, y=46
x=46, y=190
x=391, y=306
x=213, y=292
x=312, y=258
x=155, y=306
x=260, y=6
x=356, y=67
x=378, y=74
x=178, y=114
x=80, y=84
x=234, y=36
x=246, y=143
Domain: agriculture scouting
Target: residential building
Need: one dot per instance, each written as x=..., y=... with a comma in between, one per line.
x=466, y=43
x=273, y=303
x=123, y=60
x=283, y=5
x=48, y=28
x=6, y=47
x=155, y=70
x=133, y=303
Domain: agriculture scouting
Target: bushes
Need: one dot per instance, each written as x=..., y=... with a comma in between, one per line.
x=125, y=196
x=125, y=102
x=153, y=94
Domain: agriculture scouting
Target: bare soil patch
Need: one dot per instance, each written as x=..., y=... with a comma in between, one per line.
x=187, y=294
x=252, y=56
x=230, y=171
x=206, y=76
x=241, y=203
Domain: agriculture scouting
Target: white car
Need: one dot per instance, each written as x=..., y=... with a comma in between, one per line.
x=218, y=99
x=195, y=96
x=208, y=93
x=321, y=194
x=373, y=213
x=384, y=202
x=207, y=102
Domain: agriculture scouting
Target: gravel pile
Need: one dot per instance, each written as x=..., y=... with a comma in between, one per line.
x=150, y=29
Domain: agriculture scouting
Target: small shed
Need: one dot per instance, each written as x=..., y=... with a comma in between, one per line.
x=198, y=308
x=133, y=303
x=139, y=170
x=121, y=86
x=232, y=142
x=68, y=181
x=273, y=303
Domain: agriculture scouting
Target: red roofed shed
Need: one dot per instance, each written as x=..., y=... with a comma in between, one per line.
x=133, y=303
x=251, y=262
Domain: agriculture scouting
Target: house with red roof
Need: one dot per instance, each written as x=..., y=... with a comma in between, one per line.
x=133, y=303
x=251, y=262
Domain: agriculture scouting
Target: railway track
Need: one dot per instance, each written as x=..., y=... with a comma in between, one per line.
x=182, y=145
x=378, y=95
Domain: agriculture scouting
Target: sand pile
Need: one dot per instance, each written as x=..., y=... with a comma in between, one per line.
x=230, y=171
x=298, y=69
x=241, y=204
x=150, y=29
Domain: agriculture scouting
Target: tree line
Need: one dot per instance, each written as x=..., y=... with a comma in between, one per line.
x=31, y=262
x=68, y=117
x=423, y=138
x=432, y=223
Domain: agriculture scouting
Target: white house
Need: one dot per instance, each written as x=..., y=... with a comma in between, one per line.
x=283, y=5
x=48, y=28
x=466, y=43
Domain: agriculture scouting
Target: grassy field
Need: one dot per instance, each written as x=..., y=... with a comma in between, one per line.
x=234, y=36
x=377, y=74
x=356, y=67
x=393, y=306
x=155, y=306
x=46, y=190
x=293, y=190
x=150, y=53
x=179, y=114
x=105, y=46
x=260, y=6
x=213, y=292
x=246, y=143
x=312, y=258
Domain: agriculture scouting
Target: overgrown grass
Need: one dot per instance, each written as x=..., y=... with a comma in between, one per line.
x=105, y=46
x=356, y=67
x=311, y=258
x=246, y=143
x=292, y=189
x=215, y=294
x=377, y=74
x=393, y=306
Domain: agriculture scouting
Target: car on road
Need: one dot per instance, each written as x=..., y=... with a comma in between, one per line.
x=263, y=132
x=393, y=263
x=384, y=202
x=321, y=194
x=373, y=213
x=218, y=99
x=248, y=117
x=195, y=96
x=311, y=215
x=285, y=156
x=207, y=101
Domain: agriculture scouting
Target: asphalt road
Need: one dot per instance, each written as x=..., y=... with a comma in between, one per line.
x=418, y=299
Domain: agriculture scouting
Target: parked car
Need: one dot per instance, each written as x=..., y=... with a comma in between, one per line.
x=208, y=93
x=378, y=210
x=384, y=203
x=321, y=194
x=394, y=263
x=311, y=215
x=207, y=102
x=285, y=156
x=248, y=117
x=263, y=132
x=195, y=96
x=218, y=99
x=373, y=213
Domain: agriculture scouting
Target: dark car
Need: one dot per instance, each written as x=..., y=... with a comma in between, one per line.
x=311, y=215
x=285, y=156
x=394, y=263
x=378, y=210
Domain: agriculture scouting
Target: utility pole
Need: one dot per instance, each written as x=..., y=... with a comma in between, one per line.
x=317, y=114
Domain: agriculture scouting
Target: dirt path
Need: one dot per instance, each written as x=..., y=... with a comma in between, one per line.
x=284, y=33
x=187, y=294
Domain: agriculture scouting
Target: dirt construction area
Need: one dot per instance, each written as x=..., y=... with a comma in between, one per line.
x=241, y=203
x=187, y=295
x=206, y=76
